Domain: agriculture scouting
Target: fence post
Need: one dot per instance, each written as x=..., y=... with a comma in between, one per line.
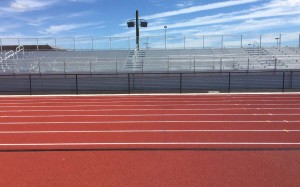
x=298, y=46
x=283, y=81
x=74, y=43
x=133, y=83
x=194, y=65
x=168, y=64
x=180, y=83
x=90, y=66
x=109, y=43
x=30, y=85
x=65, y=68
x=92, y=43
x=222, y=42
x=143, y=65
x=260, y=40
x=241, y=41
x=147, y=47
x=292, y=75
x=280, y=40
x=39, y=65
x=229, y=82
x=13, y=67
x=129, y=43
x=275, y=64
x=37, y=44
x=77, y=92
x=128, y=79
x=116, y=65
x=2, y=47
x=248, y=65
x=221, y=65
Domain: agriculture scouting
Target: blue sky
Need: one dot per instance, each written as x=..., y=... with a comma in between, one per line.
x=87, y=18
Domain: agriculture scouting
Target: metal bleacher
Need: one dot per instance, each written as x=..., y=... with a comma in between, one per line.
x=154, y=60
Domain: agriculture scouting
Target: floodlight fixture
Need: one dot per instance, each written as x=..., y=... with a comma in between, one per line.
x=137, y=23
x=144, y=23
x=130, y=24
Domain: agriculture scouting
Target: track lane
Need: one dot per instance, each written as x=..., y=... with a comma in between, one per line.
x=278, y=136
x=268, y=119
x=83, y=112
x=151, y=107
x=151, y=126
x=272, y=158
x=116, y=118
x=151, y=168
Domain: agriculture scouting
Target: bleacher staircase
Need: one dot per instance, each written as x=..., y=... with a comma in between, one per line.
x=134, y=61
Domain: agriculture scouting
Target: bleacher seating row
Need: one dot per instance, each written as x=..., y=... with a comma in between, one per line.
x=171, y=60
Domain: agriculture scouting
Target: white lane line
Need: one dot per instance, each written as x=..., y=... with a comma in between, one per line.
x=140, y=131
x=147, y=100
x=189, y=95
x=142, y=105
x=131, y=122
x=211, y=100
x=248, y=94
x=143, y=109
x=151, y=143
x=141, y=115
x=183, y=102
x=168, y=96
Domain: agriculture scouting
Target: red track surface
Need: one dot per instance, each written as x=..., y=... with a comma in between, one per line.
x=170, y=140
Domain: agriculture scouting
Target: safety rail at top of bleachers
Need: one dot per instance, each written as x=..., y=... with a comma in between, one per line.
x=156, y=42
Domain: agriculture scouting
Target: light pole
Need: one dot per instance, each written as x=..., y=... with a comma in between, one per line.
x=137, y=23
x=147, y=44
x=137, y=30
x=250, y=47
x=277, y=39
x=165, y=37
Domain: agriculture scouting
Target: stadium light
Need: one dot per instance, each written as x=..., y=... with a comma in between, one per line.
x=144, y=23
x=130, y=24
x=277, y=39
x=137, y=23
x=165, y=37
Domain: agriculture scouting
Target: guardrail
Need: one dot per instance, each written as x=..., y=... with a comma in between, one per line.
x=148, y=64
x=158, y=42
x=132, y=83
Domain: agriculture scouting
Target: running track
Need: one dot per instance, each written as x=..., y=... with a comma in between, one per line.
x=150, y=140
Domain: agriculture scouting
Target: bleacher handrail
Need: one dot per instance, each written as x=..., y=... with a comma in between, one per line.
x=9, y=54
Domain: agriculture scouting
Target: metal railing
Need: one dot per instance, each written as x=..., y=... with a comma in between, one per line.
x=197, y=63
x=131, y=83
x=158, y=42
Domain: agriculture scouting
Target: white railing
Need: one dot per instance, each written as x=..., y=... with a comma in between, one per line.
x=159, y=64
x=156, y=42
x=12, y=54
